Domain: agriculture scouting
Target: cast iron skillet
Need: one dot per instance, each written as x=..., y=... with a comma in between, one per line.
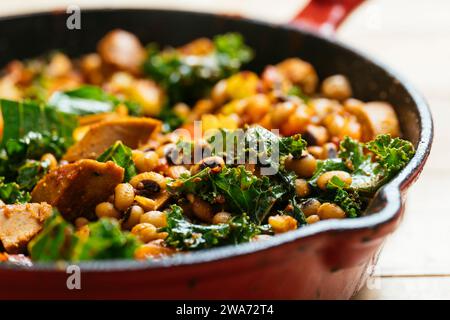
x=326, y=260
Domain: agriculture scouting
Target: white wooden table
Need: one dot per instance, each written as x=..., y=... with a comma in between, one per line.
x=413, y=36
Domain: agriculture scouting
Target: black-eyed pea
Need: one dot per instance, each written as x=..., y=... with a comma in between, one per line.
x=106, y=209
x=298, y=120
x=215, y=163
x=330, y=211
x=123, y=196
x=221, y=217
x=219, y=93
x=83, y=232
x=165, y=149
x=146, y=232
x=310, y=207
x=302, y=188
x=81, y=222
x=303, y=167
x=335, y=123
x=134, y=217
x=315, y=135
x=282, y=223
x=312, y=219
x=329, y=151
x=202, y=209
x=162, y=235
x=281, y=113
x=258, y=107
x=175, y=172
x=146, y=203
x=315, y=151
x=337, y=87
x=51, y=160
x=152, y=180
x=145, y=161
x=156, y=218
x=182, y=110
x=152, y=249
x=325, y=178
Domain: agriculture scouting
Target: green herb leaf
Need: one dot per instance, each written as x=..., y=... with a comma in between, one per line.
x=185, y=235
x=82, y=101
x=105, y=241
x=393, y=154
x=30, y=173
x=11, y=193
x=352, y=152
x=121, y=155
x=297, y=92
x=293, y=145
x=89, y=99
x=187, y=78
x=349, y=201
x=20, y=118
x=58, y=241
x=244, y=192
x=55, y=242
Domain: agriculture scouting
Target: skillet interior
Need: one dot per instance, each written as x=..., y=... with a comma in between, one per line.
x=31, y=35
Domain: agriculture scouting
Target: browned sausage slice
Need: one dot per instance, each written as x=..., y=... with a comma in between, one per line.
x=76, y=188
x=375, y=118
x=122, y=50
x=133, y=132
x=19, y=223
x=300, y=73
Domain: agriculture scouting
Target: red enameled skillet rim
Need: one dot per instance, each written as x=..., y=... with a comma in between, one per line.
x=390, y=195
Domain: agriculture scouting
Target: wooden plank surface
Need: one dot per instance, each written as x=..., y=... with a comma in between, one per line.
x=412, y=36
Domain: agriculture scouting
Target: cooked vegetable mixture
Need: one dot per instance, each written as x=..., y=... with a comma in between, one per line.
x=141, y=152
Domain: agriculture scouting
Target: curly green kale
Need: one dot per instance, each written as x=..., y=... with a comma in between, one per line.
x=186, y=235
x=11, y=193
x=188, y=78
x=244, y=193
x=368, y=173
x=58, y=241
x=90, y=99
x=120, y=154
x=393, y=154
x=30, y=131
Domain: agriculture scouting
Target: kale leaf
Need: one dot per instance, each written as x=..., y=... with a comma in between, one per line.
x=188, y=78
x=30, y=130
x=349, y=201
x=185, y=235
x=393, y=154
x=59, y=241
x=244, y=193
x=29, y=174
x=256, y=144
x=368, y=173
x=121, y=155
x=20, y=118
x=351, y=151
x=89, y=99
x=32, y=146
x=55, y=242
x=170, y=119
x=105, y=241
x=11, y=193
x=82, y=101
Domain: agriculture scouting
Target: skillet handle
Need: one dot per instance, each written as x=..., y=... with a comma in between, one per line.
x=324, y=16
